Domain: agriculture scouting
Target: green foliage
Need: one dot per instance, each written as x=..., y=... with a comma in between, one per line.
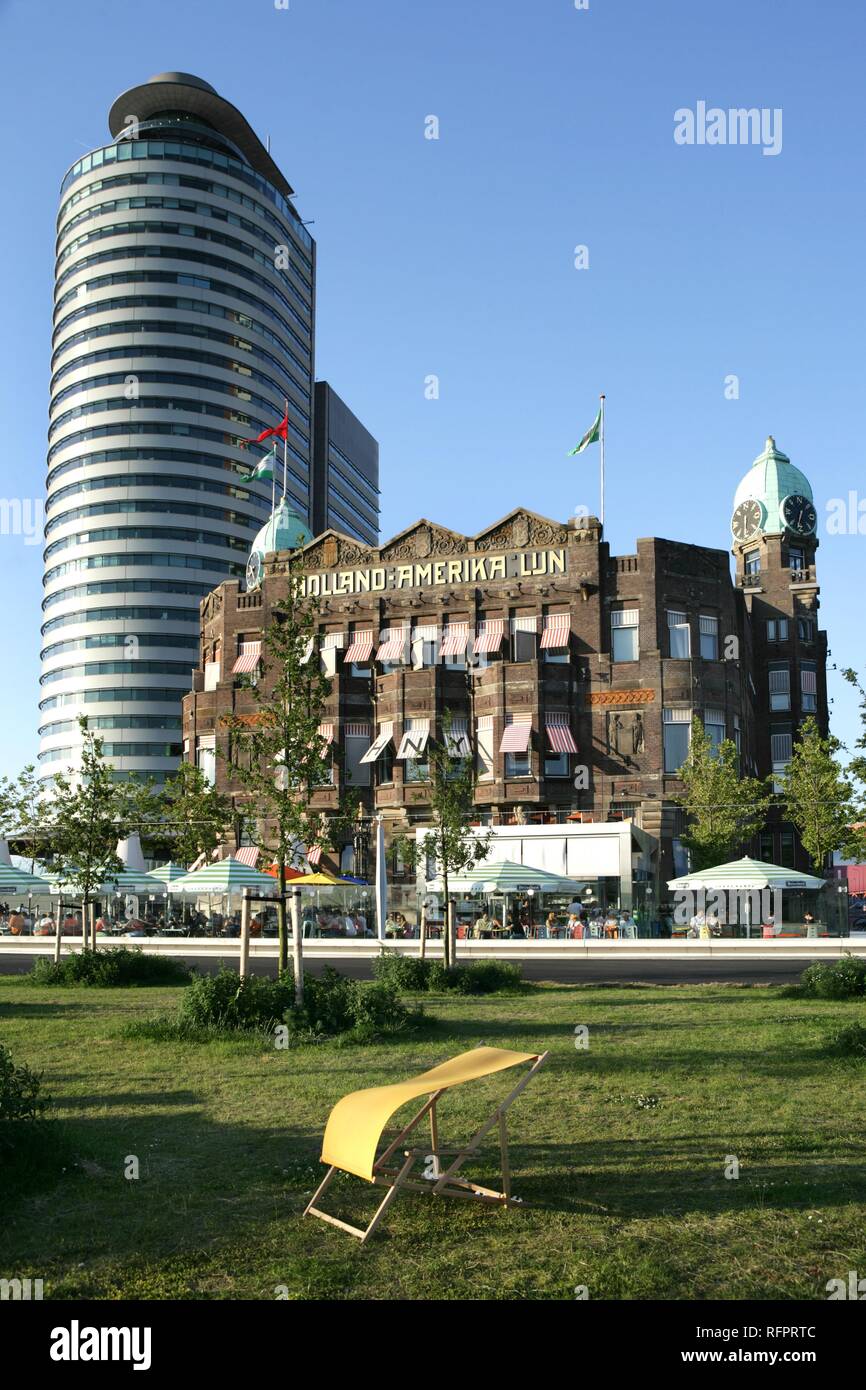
x=228, y=1000
x=334, y=1006
x=818, y=795
x=840, y=979
x=411, y=975
x=18, y=797
x=724, y=809
x=77, y=822
x=20, y=1088
x=114, y=968
x=848, y=1041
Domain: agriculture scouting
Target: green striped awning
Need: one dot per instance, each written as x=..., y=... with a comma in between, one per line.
x=169, y=873
x=225, y=876
x=14, y=880
x=744, y=874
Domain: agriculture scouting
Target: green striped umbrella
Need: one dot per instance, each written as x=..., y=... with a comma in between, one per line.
x=506, y=877
x=169, y=873
x=14, y=880
x=745, y=874
x=225, y=876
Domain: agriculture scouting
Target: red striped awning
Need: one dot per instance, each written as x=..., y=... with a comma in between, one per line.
x=391, y=649
x=857, y=878
x=360, y=648
x=314, y=855
x=490, y=636
x=559, y=735
x=454, y=639
x=516, y=737
x=248, y=854
x=326, y=731
x=248, y=658
x=557, y=630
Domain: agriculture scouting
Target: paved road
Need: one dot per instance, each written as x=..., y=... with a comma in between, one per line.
x=662, y=972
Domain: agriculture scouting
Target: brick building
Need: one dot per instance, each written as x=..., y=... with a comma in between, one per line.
x=571, y=674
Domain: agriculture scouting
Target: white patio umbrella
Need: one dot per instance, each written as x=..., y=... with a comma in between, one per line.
x=746, y=876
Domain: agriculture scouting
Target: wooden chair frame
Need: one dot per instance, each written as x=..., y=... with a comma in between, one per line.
x=445, y=1183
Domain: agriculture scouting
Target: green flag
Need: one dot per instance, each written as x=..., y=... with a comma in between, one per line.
x=265, y=466
x=592, y=436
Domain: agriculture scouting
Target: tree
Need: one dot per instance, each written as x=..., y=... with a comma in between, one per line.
x=820, y=798
x=277, y=755
x=452, y=841
x=19, y=799
x=857, y=766
x=195, y=816
x=77, y=824
x=724, y=809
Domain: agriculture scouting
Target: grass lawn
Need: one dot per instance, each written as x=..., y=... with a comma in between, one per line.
x=620, y=1149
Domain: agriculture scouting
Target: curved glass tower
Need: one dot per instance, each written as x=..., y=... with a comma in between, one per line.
x=183, y=322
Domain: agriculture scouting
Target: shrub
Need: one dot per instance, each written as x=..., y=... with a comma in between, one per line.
x=849, y=1041
x=841, y=979
x=231, y=1001
x=335, y=1006
x=19, y=1090
x=415, y=976
x=109, y=969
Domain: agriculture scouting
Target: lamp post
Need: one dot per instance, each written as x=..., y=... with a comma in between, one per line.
x=361, y=844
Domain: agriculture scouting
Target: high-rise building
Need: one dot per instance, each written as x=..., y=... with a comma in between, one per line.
x=345, y=470
x=184, y=321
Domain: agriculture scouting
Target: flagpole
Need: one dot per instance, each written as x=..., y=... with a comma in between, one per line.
x=601, y=461
x=273, y=486
x=286, y=450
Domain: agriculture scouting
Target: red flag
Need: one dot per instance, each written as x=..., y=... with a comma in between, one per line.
x=281, y=430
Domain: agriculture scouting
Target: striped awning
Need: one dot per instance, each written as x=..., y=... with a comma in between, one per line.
x=248, y=658
x=559, y=736
x=326, y=731
x=457, y=738
x=392, y=645
x=360, y=648
x=379, y=744
x=490, y=635
x=248, y=854
x=314, y=855
x=414, y=740
x=557, y=629
x=454, y=639
x=516, y=736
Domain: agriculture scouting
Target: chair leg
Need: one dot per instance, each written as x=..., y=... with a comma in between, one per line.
x=323, y=1187
x=389, y=1197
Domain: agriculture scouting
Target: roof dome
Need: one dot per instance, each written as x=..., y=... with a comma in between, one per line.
x=772, y=478
x=285, y=529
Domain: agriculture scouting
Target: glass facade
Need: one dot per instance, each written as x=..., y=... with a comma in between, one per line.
x=184, y=302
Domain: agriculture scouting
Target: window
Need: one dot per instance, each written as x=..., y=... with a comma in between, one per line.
x=624, y=634
x=796, y=557
x=523, y=638
x=205, y=757
x=709, y=628
x=425, y=641
x=806, y=629
x=777, y=629
x=515, y=745
x=780, y=687
x=714, y=726
x=781, y=749
x=385, y=766
x=356, y=741
x=484, y=747
x=766, y=849
x=677, y=737
x=624, y=810
x=393, y=643
x=332, y=642
x=555, y=637
x=809, y=687
x=752, y=563
x=455, y=639
x=738, y=735
x=787, y=849
x=680, y=635
x=359, y=651
x=413, y=750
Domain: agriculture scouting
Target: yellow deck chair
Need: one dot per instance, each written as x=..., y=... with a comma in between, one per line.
x=356, y=1124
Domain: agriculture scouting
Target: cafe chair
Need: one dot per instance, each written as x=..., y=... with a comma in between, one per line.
x=356, y=1127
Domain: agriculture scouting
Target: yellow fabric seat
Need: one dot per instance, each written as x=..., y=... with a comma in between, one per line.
x=356, y=1124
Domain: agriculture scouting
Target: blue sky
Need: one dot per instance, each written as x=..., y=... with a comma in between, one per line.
x=455, y=256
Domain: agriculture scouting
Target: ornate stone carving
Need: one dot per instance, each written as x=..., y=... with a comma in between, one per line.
x=521, y=530
x=622, y=697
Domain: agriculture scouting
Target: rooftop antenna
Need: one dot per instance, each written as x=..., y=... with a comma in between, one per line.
x=269, y=144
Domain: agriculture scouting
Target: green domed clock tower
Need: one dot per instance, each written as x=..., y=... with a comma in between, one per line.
x=774, y=531
x=284, y=530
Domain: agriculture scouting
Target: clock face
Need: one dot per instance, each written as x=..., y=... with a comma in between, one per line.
x=254, y=570
x=799, y=514
x=747, y=519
